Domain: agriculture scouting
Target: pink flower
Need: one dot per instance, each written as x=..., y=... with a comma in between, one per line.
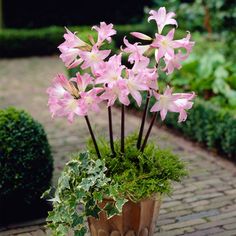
x=58, y=88
x=54, y=107
x=72, y=41
x=136, y=51
x=184, y=43
x=164, y=44
x=136, y=83
x=60, y=97
x=141, y=65
x=173, y=62
x=149, y=75
x=89, y=100
x=82, y=81
x=141, y=36
x=162, y=18
x=69, y=107
x=110, y=71
x=93, y=58
x=104, y=32
x=116, y=90
x=70, y=49
x=177, y=102
x=183, y=104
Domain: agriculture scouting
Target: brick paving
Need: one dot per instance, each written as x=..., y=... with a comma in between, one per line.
x=204, y=204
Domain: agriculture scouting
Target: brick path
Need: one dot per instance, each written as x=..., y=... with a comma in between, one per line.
x=204, y=204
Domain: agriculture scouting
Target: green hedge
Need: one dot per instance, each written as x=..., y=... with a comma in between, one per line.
x=19, y=43
x=210, y=125
x=26, y=42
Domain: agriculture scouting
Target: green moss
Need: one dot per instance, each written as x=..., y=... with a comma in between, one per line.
x=138, y=174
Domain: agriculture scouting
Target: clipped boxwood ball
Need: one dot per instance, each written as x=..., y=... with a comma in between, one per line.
x=26, y=163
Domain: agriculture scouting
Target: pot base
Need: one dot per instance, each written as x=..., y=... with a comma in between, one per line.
x=137, y=219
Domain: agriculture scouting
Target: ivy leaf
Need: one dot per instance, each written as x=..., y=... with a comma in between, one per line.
x=93, y=211
x=98, y=196
x=80, y=232
x=63, y=182
x=80, y=193
x=86, y=184
x=62, y=230
x=46, y=194
x=120, y=203
x=111, y=210
x=76, y=219
x=113, y=190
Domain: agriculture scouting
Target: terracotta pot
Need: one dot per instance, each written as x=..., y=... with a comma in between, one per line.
x=137, y=219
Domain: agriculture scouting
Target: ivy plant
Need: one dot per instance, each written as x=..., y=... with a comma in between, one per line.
x=82, y=184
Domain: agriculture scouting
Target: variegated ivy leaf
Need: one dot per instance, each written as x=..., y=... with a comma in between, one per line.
x=120, y=203
x=111, y=210
x=80, y=232
x=98, y=196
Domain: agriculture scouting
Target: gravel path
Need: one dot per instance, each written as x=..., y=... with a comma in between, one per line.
x=204, y=204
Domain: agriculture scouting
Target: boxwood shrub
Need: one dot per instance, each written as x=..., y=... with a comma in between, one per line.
x=26, y=162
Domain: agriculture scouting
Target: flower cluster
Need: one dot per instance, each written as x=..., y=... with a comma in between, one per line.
x=105, y=78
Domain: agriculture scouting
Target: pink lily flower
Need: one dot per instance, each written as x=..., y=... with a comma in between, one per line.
x=173, y=62
x=149, y=75
x=184, y=43
x=164, y=44
x=58, y=88
x=69, y=107
x=177, y=102
x=184, y=104
x=117, y=90
x=93, y=58
x=54, y=107
x=104, y=32
x=162, y=18
x=141, y=65
x=136, y=51
x=141, y=36
x=135, y=83
x=89, y=100
x=82, y=81
x=110, y=71
x=151, y=78
x=72, y=41
x=70, y=49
